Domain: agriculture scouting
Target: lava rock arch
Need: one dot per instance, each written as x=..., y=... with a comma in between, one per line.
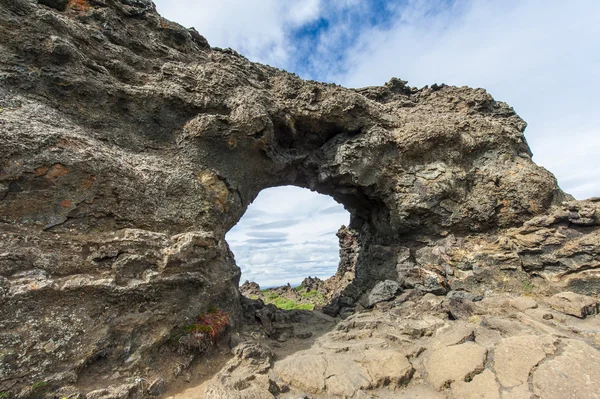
x=130, y=147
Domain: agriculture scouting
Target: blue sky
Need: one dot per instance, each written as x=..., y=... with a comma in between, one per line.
x=540, y=56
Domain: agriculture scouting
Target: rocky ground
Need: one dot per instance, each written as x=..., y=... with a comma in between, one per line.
x=427, y=346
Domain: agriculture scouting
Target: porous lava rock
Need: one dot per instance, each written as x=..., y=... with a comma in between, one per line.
x=129, y=147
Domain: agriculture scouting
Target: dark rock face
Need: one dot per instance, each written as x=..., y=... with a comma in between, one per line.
x=129, y=148
x=349, y=251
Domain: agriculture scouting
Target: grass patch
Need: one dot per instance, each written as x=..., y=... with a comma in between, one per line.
x=284, y=303
x=288, y=304
x=39, y=386
x=271, y=296
x=316, y=295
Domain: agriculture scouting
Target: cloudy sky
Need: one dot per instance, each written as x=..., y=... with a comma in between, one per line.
x=540, y=56
x=288, y=233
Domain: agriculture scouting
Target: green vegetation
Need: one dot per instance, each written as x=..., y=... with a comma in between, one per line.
x=313, y=295
x=527, y=287
x=286, y=304
x=271, y=296
x=38, y=386
x=3, y=395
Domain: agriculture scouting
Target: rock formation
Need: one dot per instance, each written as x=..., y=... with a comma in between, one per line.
x=129, y=147
x=499, y=347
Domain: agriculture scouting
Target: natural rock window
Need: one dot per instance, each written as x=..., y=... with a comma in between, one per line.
x=287, y=234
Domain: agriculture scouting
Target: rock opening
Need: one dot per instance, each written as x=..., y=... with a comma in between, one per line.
x=287, y=234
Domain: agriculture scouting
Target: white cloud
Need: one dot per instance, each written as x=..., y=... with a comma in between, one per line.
x=255, y=28
x=287, y=236
x=540, y=57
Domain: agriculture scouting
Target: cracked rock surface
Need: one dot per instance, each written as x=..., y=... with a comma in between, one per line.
x=410, y=348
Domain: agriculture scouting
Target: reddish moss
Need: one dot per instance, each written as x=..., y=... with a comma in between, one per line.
x=212, y=324
x=81, y=5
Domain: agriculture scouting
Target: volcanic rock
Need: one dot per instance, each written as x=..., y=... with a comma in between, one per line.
x=129, y=147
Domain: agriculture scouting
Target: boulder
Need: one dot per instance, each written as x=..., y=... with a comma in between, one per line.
x=383, y=291
x=575, y=304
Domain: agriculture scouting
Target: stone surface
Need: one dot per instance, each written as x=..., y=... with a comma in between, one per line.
x=523, y=303
x=413, y=350
x=518, y=392
x=454, y=363
x=574, y=373
x=457, y=334
x=482, y=386
x=575, y=304
x=313, y=375
x=515, y=357
x=244, y=376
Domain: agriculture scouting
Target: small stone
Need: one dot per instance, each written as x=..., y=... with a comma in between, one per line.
x=464, y=295
x=346, y=312
x=284, y=336
x=157, y=387
x=548, y=316
x=304, y=335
